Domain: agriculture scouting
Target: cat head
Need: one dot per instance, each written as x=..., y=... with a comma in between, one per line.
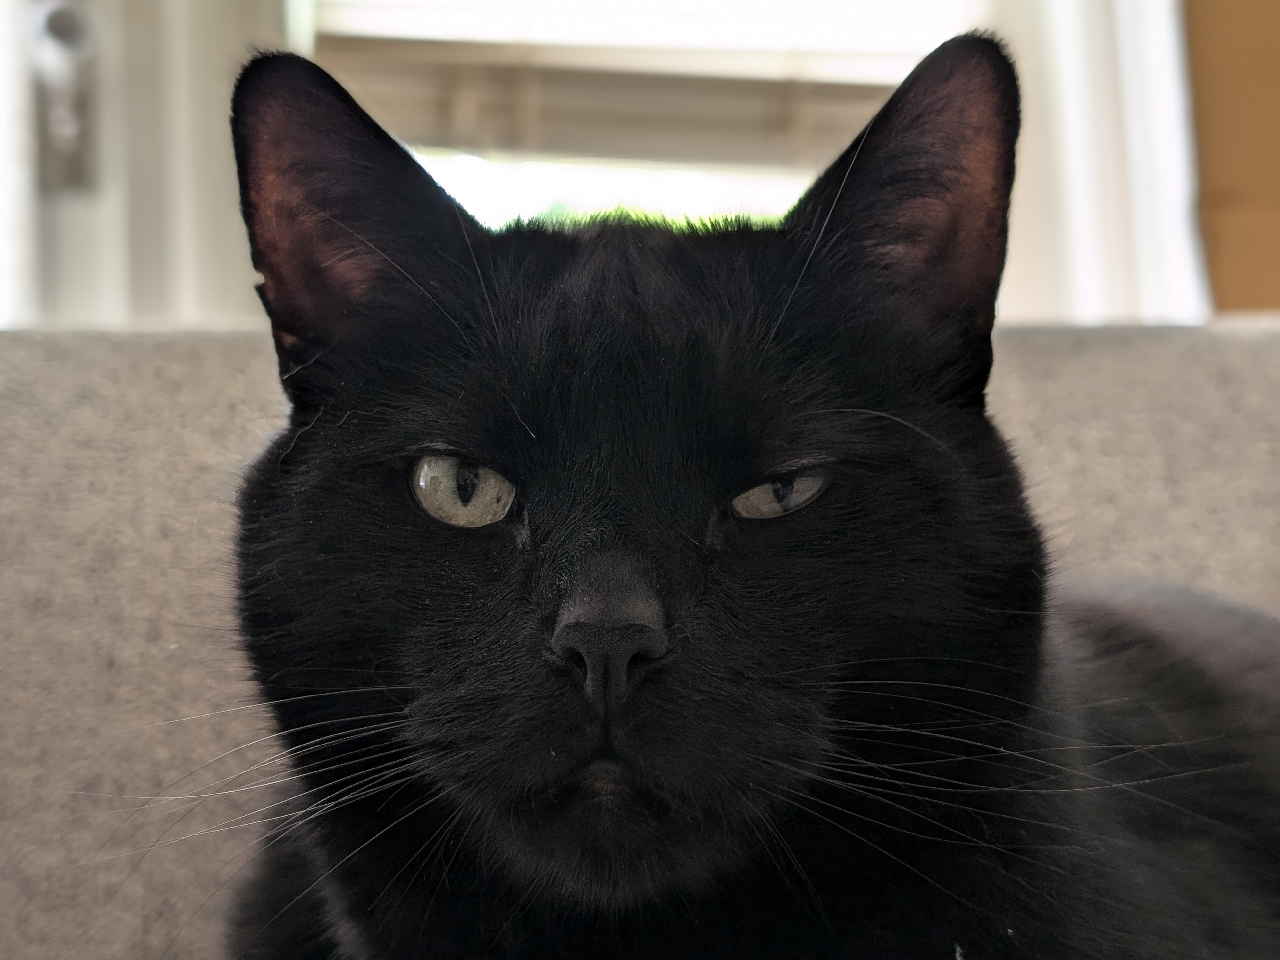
x=624, y=534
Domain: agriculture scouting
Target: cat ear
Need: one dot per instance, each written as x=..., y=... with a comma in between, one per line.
x=338, y=212
x=918, y=205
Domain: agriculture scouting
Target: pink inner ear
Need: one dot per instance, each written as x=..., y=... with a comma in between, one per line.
x=311, y=262
x=310, y=247
x=307, y=256
x=952, y=235
x=920, y=235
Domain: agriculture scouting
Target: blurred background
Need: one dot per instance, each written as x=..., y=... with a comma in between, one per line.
x=1147, y=188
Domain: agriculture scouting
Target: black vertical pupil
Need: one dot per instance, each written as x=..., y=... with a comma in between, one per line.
x=782, y=490
x=468, y=478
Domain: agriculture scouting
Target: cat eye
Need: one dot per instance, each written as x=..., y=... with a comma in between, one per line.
x=461, y=494
x=783, y=495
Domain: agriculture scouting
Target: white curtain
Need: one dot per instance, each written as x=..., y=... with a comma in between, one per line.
x=1104, y=223
x=17, y=177
x=1103, y=226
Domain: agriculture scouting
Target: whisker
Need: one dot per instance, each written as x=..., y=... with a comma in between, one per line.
x=435, y=841
x=413, y=811
x=259, y=846
x=476, y=263
x=866, y=661
x=861, y=839
x=266, y=703
x=821, y=230
x=772, y=828
x=404, y=273
x=888, y=416
x=358, y=791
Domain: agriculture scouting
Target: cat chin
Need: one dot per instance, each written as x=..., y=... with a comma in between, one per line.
x=602, y=844
x=584, y=878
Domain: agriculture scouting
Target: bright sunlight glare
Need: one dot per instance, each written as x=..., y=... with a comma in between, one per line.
x=497, y=190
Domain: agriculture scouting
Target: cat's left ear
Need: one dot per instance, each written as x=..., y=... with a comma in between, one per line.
x=917, y=208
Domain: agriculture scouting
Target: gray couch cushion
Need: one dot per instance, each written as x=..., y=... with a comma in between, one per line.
x=1149, y=452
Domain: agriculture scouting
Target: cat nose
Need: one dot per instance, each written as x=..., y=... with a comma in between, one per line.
x=610, y=630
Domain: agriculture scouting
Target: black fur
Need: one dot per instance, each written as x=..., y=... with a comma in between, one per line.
x=862, y=734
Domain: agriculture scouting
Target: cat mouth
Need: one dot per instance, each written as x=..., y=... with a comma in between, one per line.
x=605, y=783
x=603, y=789
x=604, y=839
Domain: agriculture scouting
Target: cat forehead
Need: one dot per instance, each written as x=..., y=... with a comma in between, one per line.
x=616, y=316
x=639, y=285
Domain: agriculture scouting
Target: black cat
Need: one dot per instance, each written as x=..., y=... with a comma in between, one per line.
x=630, y=591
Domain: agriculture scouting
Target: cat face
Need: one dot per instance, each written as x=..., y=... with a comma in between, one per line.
x=616, y=537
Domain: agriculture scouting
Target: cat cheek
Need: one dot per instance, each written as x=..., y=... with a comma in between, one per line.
x=717, y=529
x=520, y=528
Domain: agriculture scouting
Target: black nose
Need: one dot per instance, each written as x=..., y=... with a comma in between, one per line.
x=610, y=629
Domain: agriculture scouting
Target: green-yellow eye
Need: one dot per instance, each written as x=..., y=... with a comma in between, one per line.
x=780, y=496
x=461, y=494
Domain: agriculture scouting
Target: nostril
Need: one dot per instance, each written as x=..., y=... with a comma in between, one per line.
x=568, y=658
x=648, y=646
x=575, y=661
x=642, y=661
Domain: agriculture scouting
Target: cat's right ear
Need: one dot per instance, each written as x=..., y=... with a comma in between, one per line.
x=340, y=216
x=917, y=208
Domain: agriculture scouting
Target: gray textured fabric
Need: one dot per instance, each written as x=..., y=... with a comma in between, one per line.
x=1151, y=453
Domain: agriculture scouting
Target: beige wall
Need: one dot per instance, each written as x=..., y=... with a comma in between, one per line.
x=1234, y=49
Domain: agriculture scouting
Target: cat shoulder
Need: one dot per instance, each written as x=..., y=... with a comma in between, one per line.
x=1164, y=707
x=1179, y=646
x=1180, y=691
